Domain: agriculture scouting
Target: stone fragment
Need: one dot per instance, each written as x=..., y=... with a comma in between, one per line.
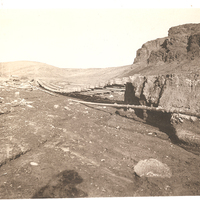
x=152, y=168
x=67, y=108
x=16, y=94
x=56, y=106
x=33, y=163
x=29, y=106
x=193, y=119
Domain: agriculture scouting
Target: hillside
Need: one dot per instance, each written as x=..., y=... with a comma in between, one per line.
x=29, y=69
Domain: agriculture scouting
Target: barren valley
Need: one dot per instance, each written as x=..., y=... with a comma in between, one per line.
x=53, y=146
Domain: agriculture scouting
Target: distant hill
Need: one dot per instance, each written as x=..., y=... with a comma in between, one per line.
x=32, y=69
x=29, y=69
x=179, y=53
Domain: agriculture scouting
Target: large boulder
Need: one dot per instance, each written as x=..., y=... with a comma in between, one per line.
x=152, y=168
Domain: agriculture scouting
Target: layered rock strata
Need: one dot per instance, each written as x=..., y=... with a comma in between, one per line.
x=170, y=92
x=168, y=76
x=182, y=42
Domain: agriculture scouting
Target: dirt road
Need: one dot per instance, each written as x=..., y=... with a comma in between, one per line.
x=52, y=147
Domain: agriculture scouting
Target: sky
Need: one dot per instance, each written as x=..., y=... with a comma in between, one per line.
x=86, y=34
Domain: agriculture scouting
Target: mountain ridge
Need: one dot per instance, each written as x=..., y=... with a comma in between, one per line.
x=33, y=69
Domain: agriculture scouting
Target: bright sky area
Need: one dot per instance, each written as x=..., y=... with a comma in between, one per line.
x=86, y=34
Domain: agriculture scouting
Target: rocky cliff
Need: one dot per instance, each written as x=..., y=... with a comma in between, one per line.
x=167, y=76
x=178, y=53
x=183, y=42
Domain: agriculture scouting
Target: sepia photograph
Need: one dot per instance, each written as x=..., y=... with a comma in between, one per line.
x=99, y=99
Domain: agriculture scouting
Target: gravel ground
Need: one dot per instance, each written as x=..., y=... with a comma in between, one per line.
x=53, y=147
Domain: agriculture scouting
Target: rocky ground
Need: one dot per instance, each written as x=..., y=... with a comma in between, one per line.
x=54, y=147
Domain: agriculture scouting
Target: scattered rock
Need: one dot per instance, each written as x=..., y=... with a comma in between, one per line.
x=4, y=110
x=67, y=108
x=152, y=168
x=56, y=106
x=193, y=119
x=131, y=110
x=16, y=94
x=1, y=100
x=65, y=149
x=4, y=174
x=29, y=106
x=33, y=163
x=153, y=134
x=188, y=136
x=23, y=102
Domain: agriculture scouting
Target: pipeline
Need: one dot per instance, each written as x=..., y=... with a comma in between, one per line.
x=157, y=109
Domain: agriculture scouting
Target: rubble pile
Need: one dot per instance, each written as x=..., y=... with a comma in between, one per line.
x=13, y=83
x=7, y=104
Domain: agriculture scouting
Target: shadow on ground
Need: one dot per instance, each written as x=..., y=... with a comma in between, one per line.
x=62, y=185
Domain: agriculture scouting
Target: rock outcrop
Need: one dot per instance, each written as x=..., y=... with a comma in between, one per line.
x=145, y=52
x=179, y=53
x=169, y=92
x=183, y=42
x=168, y=72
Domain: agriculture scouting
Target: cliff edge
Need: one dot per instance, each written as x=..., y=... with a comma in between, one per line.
x=178, y=53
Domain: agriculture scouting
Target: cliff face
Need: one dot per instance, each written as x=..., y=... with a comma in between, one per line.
x=167, y=91
x=170, y=65
x=166, y=74
x=180, y=46
x=170, y=92
x=144, y=53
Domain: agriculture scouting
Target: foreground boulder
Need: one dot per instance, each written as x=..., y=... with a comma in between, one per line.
x=152, y=168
